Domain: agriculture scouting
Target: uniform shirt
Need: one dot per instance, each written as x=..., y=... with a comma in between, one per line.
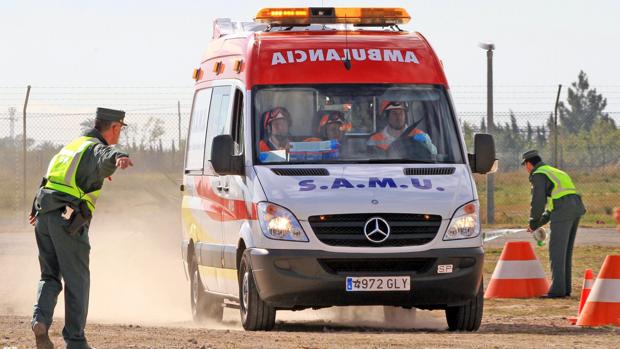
x=382, y=139
x=564, y=208
x=97, y=163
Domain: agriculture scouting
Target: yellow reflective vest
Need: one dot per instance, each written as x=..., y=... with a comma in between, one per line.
x=62, y=170
x=562, y=183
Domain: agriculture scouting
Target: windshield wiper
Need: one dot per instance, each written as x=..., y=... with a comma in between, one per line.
x=354, y=161
x=393, y=161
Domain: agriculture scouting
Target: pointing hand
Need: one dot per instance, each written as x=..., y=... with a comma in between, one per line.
x=123, y=163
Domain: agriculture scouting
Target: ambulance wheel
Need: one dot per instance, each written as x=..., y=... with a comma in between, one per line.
x=399, y=317
x=466, y=317
x=256, y=315
x=205, y=306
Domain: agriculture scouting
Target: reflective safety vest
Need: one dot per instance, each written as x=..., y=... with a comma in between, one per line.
x=63, y=168
x=383, y=140
x=562, y=183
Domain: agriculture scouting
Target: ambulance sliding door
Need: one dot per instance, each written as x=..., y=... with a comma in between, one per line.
x=219, y=123
x=201, y=218
x=237, y=212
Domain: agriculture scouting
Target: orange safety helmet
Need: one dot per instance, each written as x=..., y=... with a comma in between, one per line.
x=391, y=105
x=332, y=117
x=273, y=114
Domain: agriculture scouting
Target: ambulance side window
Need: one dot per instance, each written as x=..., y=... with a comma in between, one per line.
x=237, y=122
x=197, y=131
x=219, y=116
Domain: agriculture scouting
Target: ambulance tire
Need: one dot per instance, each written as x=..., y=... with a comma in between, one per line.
x=205, y=306
x=256, y=315
x=399, y=317
x=468, y=316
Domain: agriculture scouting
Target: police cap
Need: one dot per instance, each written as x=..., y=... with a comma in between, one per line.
x=106, y=114
x=528, y=155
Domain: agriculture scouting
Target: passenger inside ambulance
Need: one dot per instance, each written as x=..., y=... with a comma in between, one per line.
x=332, y=125
x=355, y=124
x=276, y=125
x=397, y=132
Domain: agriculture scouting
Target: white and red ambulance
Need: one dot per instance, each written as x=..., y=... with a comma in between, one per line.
x=325, y=167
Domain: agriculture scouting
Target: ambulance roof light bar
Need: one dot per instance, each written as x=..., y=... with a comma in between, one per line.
x=359, y=16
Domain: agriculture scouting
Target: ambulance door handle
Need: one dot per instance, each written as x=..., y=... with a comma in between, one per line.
x=226, y=186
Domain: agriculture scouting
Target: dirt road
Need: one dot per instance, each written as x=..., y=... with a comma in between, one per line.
x=139, y=301
x=497, y=331
x=139, y=297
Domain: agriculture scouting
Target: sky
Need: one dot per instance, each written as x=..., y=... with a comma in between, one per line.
x=539, y=44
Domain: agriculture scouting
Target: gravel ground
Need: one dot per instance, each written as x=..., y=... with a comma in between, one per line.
x=139, y=299
x=497, y=331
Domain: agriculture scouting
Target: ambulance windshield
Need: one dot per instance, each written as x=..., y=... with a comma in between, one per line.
x=354, y=124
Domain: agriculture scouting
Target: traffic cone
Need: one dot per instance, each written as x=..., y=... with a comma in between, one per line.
x=518, y=273
x=603, y=304
x=588, y=281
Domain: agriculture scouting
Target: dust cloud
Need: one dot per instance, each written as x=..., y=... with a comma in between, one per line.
x=366, y=317
x=137, y=275
x=136, y=270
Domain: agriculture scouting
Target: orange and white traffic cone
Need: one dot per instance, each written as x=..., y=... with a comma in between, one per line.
x=518, y=273
x=603, y=304
x=588, y=282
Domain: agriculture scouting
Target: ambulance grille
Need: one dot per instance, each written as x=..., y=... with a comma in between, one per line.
x=377, y=265
x=348, y=229
x=300, y=171
x=429, y=171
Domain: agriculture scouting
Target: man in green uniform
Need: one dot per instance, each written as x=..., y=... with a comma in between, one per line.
x=555, y=199
x=61, y=214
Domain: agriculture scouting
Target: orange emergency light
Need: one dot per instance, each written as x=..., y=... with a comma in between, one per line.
x=197, y=74
x=358, y=16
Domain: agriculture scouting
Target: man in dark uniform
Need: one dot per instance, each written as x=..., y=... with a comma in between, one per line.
x=61, y=215
x=555, y=199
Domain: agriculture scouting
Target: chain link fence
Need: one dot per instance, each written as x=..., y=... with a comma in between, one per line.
x=158, y=118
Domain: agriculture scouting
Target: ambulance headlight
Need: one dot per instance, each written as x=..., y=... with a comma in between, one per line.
x=465, y=223
x=278, y=223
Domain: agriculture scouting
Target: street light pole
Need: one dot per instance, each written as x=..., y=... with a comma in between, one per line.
x=489, y=47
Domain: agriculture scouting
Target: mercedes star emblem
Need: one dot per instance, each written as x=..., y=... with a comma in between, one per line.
x=376, y=230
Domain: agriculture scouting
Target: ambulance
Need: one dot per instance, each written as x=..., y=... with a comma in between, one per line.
x=325, y=167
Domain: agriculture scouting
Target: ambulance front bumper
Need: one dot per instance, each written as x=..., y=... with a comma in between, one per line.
x=297, y=279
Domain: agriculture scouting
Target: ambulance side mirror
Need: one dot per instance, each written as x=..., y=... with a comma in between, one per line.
x=222, y=158
x=483, y=159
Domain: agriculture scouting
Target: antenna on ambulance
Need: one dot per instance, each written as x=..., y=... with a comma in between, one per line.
x=347, y=53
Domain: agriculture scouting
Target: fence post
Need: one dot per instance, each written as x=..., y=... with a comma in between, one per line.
x=24, y=149
x=491, y=128
x=179, y=116
x=555, y=127
x=178, y=151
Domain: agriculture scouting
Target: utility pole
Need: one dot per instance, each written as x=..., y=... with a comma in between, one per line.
x=555, y=127
x=24, y=148
x=489, y=47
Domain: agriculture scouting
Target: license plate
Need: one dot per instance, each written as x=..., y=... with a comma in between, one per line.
x=378, y=283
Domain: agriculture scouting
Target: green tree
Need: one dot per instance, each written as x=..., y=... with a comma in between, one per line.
x=529, y=138
x=468, y=134
x=584, y=107
x=152, y=132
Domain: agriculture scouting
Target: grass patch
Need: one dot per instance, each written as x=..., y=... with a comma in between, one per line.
x=599, y=190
